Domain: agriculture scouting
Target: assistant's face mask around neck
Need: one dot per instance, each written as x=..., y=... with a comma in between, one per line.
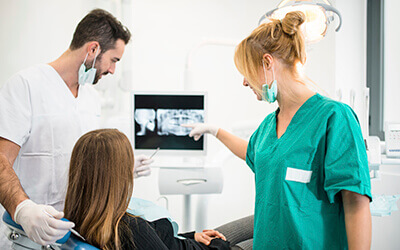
x=86, y=76
x=269, y=94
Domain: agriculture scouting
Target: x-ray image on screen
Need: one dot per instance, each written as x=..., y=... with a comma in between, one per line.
x=169, y=120
x=158, y=118
x=146, y=118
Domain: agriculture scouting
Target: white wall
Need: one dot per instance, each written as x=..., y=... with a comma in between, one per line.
x=31, y=35
x=392, y=63
x=350, y=49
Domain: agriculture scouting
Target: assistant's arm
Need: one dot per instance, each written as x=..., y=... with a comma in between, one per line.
x=357, y=219
x=235, y=144
x=11, y=191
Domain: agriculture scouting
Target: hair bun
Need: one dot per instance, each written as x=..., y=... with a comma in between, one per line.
x=292, y=22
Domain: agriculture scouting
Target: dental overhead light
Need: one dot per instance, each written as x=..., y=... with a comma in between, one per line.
x=318, y=15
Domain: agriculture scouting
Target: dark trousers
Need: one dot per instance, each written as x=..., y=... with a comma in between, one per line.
x=239, y=233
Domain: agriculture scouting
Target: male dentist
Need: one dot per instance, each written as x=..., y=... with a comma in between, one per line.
x=43, y=111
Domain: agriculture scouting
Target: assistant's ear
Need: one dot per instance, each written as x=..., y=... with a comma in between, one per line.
x=268, y=60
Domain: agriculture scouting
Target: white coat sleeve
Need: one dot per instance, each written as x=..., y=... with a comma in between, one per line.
x=15, y=110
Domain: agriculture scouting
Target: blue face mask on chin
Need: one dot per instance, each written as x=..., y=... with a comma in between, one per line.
x=86, y=76
x=269, y=93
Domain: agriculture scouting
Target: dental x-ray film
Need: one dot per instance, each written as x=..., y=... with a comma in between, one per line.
x=158, y=119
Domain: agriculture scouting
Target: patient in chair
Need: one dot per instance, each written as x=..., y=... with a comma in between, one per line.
x=100, y=185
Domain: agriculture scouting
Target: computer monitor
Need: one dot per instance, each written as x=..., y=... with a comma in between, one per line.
x=156, y=120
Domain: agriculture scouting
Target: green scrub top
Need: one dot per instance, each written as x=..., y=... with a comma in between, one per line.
x=300, y=175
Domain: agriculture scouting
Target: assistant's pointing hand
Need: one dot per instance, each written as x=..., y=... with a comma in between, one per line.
x=199, y=129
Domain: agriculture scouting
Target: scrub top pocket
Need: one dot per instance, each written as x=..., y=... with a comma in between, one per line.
x=298, y=185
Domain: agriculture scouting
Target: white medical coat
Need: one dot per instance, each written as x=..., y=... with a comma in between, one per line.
x=39, y=113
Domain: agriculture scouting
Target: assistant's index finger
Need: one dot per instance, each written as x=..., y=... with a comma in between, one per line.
x=188, y=125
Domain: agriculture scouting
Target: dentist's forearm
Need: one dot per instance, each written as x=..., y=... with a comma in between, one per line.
x=357, y=219
x=11, y=191
x=235, y=144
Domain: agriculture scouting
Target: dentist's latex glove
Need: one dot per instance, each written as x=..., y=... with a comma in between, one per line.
x=199, y=129
x=40, y=227
x=142, y=166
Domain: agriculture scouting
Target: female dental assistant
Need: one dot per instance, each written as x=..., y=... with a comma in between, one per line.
x=308, y=157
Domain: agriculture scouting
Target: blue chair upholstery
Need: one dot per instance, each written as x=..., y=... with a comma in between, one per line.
x=69, y=241
x=74, y=243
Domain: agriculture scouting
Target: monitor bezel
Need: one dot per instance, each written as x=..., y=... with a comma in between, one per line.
x=168, y=152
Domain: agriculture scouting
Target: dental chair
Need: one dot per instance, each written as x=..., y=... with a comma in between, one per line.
x=137, y=207
x=20, y=241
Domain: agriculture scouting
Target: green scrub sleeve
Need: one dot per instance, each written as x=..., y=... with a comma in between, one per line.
x=251, y=152
x=346, y=163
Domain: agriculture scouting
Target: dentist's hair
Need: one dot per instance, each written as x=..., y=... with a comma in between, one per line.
x=100, y=185
x=101, y=26
x=281, y=39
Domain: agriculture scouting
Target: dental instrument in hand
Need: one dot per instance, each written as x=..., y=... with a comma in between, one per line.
x=72, y=230
x=151, y=156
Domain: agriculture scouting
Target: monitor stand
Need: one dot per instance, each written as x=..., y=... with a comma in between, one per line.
x=189, y=181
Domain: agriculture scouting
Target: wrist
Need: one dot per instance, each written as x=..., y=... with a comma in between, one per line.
x=196, y=236
x=216, y=131
x=20, y=206
x=11, y=205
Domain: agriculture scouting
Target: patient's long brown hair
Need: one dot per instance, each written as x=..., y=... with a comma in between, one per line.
x=100, y=185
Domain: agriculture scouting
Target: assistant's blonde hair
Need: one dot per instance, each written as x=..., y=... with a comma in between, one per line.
x=281, y=39
x=100, y=186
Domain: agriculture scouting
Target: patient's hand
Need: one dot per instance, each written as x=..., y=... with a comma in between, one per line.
x=206, y=236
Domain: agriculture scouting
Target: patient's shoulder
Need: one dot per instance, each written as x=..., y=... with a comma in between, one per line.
x=135, y=222
x=141, y=233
